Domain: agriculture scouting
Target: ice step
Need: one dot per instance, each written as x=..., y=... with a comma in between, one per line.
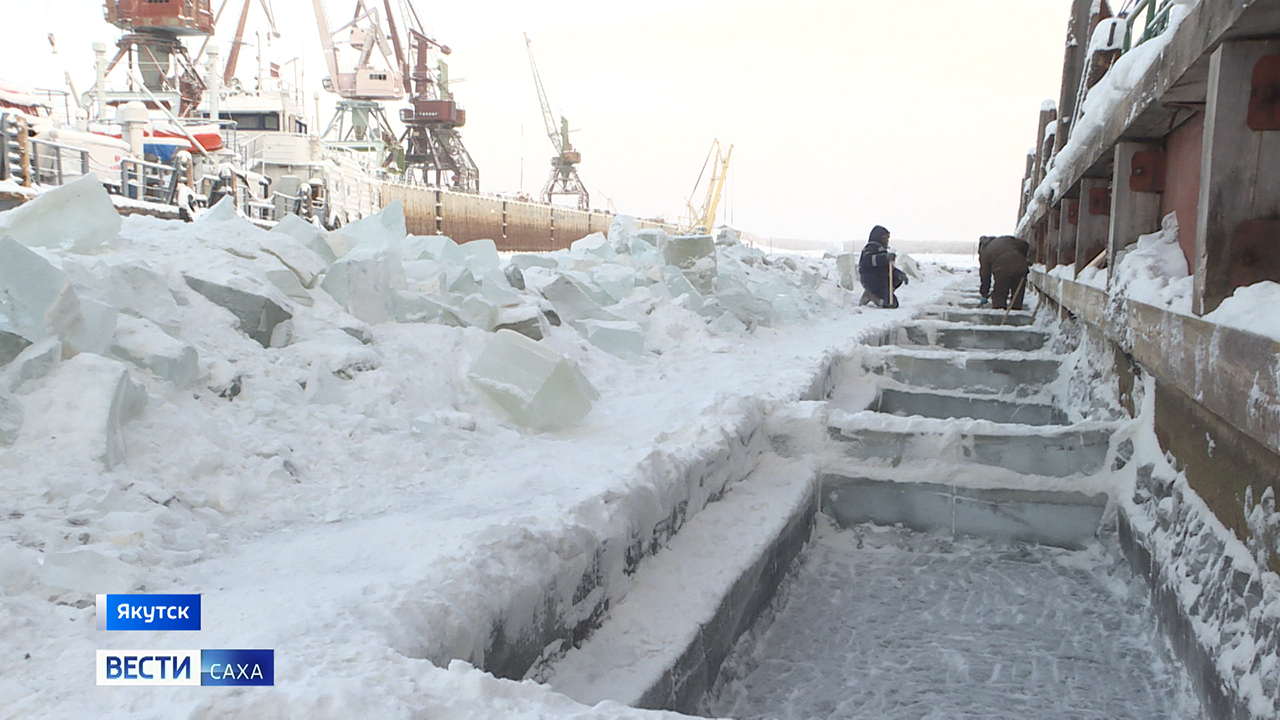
x=961, y=337
x=1052, y=451
x=938, y=405
x=663, y=645
x=1062, y=519
x=969, y=372
x=1014, y=318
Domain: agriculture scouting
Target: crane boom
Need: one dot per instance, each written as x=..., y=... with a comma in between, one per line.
x=548, y=118
x=703, y=220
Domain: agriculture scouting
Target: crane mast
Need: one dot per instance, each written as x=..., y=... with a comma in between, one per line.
x=564, y=178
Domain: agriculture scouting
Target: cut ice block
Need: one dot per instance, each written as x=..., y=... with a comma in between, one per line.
x=538, y=387
x=88, y=571
x=622, y=338
x=383, y=229
x=476, y=312
x=32, y=363
x=307, y=235
x=295, y=256
x=594, y=244
x=139, y=290
x=495, y=288
x=524, y=319
x=439, y=248
x=144, y=344
x=39, y=300
x=82, y=407
x=617, y=281
x=622, y=230
x=514, y=276
x=684, y=251
x=428, y=274
x=257, y=305
x=655, y=237
x=734, y=296
x=11, y=345
x=729, y=324
x=847, y=266
x=573, y=302
x=727, y=238
x=97, y=324
x=287, y=281
x=480, y=256
x=524, y=261
x=362, y=281
x=412, y=306
x=679, y=285
x=222, y=211
x=10, y=418
x=77, y=216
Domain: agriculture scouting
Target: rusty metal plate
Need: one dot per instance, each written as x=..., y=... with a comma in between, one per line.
x=1073, y=212
x=1147, y=173
x=1255, y=252
x=1099, y=201
x=1264, y=94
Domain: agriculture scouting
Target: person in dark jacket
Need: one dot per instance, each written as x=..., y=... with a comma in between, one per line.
x=1002, y=269
x=873, y=270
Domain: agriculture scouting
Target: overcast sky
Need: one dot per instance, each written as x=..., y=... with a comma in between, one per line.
x=843, y=113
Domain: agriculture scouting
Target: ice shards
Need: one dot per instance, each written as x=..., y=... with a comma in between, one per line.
x=258, y=306
x=622, y=338
x=39, y=300
x=538, y=387
x=144, y=344
x=10, y=418
x=383, y=229
x=77, y=216
x=82, y=407
x=88, y=571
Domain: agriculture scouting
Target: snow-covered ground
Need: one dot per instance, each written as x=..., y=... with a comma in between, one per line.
x=345, y=492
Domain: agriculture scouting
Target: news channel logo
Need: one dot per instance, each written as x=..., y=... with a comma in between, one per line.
x=210, y=668
x=216, y=668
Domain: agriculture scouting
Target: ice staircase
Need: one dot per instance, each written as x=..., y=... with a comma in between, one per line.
x=943, y=422
x=948, y=424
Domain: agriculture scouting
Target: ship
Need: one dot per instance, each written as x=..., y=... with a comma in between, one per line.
x=178, y=137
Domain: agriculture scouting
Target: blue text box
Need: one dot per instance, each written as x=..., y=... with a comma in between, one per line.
x=148, y=612
x=237, y=667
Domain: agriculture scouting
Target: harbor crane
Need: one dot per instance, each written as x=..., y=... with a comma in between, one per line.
x=359, y=122
x=701, y=221
x=433, y=149
x=160, y=70
x=564, y=178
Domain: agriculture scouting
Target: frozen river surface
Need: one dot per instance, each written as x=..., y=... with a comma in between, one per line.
x=886, y=623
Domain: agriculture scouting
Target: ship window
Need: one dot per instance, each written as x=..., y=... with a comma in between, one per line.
x=377, y=76
x=256, y=121
x=157, y=2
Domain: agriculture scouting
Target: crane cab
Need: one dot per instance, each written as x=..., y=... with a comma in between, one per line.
x=174, y=17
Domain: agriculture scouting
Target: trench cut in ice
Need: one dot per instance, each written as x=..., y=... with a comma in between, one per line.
x=538, y=387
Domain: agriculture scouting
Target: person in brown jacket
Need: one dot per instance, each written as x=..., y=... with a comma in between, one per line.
x=1002, y=267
